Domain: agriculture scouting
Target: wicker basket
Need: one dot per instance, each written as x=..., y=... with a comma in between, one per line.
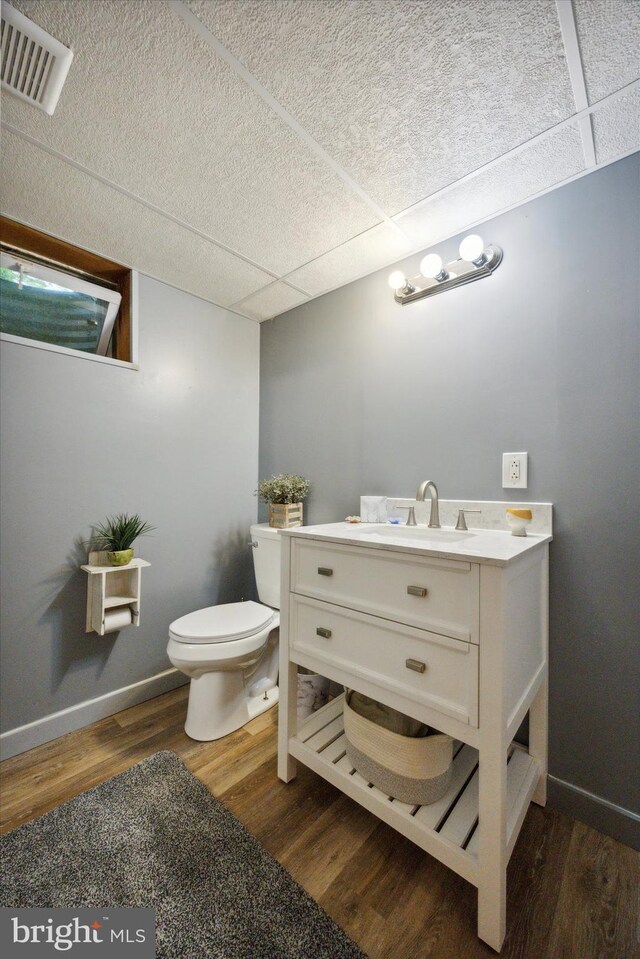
x=414, y=770
x=285, y=515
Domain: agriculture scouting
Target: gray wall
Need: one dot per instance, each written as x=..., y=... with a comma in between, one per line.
x=364, y=396
x=176, y=441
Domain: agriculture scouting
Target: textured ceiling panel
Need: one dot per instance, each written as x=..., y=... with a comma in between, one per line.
x=44, y=191
x=609, y=37
x=616, y=127
x=365, y=253
x=275, y=299
x=150, y=106
x=388, y=87
x=510, y=181
x=265, y=148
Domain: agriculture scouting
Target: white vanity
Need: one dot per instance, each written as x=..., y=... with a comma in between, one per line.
x=450, y=628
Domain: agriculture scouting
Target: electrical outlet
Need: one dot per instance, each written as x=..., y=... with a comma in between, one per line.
x=514, y=470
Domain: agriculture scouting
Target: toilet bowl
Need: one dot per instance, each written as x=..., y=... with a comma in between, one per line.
x=230, y=652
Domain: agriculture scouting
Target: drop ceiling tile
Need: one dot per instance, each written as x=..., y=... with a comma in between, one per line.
x=407, y=96
x=150, y=106
x=273, y=300
x=609, y=37
x=365, y=253
x=616, y=127
x=509, y=182
x=47, y=193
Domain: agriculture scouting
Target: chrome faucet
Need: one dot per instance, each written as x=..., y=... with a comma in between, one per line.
x=434, y=516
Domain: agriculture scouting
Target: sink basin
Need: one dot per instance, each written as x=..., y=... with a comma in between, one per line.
x=393, y=532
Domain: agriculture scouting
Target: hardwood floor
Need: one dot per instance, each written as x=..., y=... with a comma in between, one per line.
x=573, y=893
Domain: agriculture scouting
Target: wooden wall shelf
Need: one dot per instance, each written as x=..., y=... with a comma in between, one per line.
x=112, y=591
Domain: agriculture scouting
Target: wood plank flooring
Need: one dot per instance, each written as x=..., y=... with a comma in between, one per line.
x=572, y=892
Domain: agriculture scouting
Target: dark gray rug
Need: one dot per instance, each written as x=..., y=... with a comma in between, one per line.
x=155, y=836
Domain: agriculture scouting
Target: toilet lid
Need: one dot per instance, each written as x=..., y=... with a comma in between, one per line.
x=220, y=624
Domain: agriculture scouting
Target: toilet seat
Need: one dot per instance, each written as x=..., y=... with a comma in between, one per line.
x=222, y=624
x=200, y=657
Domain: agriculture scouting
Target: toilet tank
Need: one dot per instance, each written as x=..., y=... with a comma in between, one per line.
x=266, y=562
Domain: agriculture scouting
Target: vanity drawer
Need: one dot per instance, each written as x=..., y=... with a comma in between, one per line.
x=440, y=595
x=390, y=655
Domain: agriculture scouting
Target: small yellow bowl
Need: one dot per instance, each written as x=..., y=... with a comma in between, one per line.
x=521, y=513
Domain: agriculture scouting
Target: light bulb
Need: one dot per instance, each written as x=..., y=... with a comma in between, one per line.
x=397, y=280
x=431, y=266
x=472, y=248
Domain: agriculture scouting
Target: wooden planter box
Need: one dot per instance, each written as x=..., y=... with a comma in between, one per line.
x=285, y=515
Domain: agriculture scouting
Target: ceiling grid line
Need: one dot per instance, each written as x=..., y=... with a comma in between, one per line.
x=156, y=209
x=577, y=117
x=268, y=286
x=586, y=112
x=445, y=236
x=178, y=7
x=134, y=196
x=521, y=148
x=313, y=218
x=569, y=31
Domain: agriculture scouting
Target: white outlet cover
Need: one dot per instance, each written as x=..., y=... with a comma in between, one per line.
x=514, y=470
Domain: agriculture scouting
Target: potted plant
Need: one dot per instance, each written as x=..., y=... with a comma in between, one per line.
x=116, y=537
x=284, y=493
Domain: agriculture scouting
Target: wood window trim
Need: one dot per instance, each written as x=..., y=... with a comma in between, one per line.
x=27, y=240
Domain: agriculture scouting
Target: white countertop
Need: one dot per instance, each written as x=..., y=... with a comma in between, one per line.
x=493, y=547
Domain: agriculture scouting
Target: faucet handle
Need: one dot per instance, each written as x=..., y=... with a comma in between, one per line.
x=411, y=516
x=462, y=523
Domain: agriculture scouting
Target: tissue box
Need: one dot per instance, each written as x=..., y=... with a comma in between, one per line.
x=373, y=509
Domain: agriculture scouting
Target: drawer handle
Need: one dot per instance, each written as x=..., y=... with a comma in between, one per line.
x=416, y=665
x=417, y=591
x=324, y=632
x=324, y=571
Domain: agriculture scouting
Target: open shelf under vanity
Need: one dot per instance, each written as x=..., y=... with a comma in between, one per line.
x=446, y=828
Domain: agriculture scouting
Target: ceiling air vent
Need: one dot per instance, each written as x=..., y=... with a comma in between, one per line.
x=34, y=65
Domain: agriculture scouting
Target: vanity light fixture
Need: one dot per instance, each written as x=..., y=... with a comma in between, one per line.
x=476, y=260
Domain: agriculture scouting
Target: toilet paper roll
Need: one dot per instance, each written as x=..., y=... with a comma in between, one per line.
x=117, y=619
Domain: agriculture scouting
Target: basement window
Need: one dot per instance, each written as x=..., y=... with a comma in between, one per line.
x=58, y=297
x=40, y=303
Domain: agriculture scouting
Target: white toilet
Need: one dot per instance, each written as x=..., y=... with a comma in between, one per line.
x=231, y=651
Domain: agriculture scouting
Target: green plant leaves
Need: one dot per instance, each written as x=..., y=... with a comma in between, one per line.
x=119, y=532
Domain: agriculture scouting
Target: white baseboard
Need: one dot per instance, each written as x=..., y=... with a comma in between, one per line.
x=19, y=740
